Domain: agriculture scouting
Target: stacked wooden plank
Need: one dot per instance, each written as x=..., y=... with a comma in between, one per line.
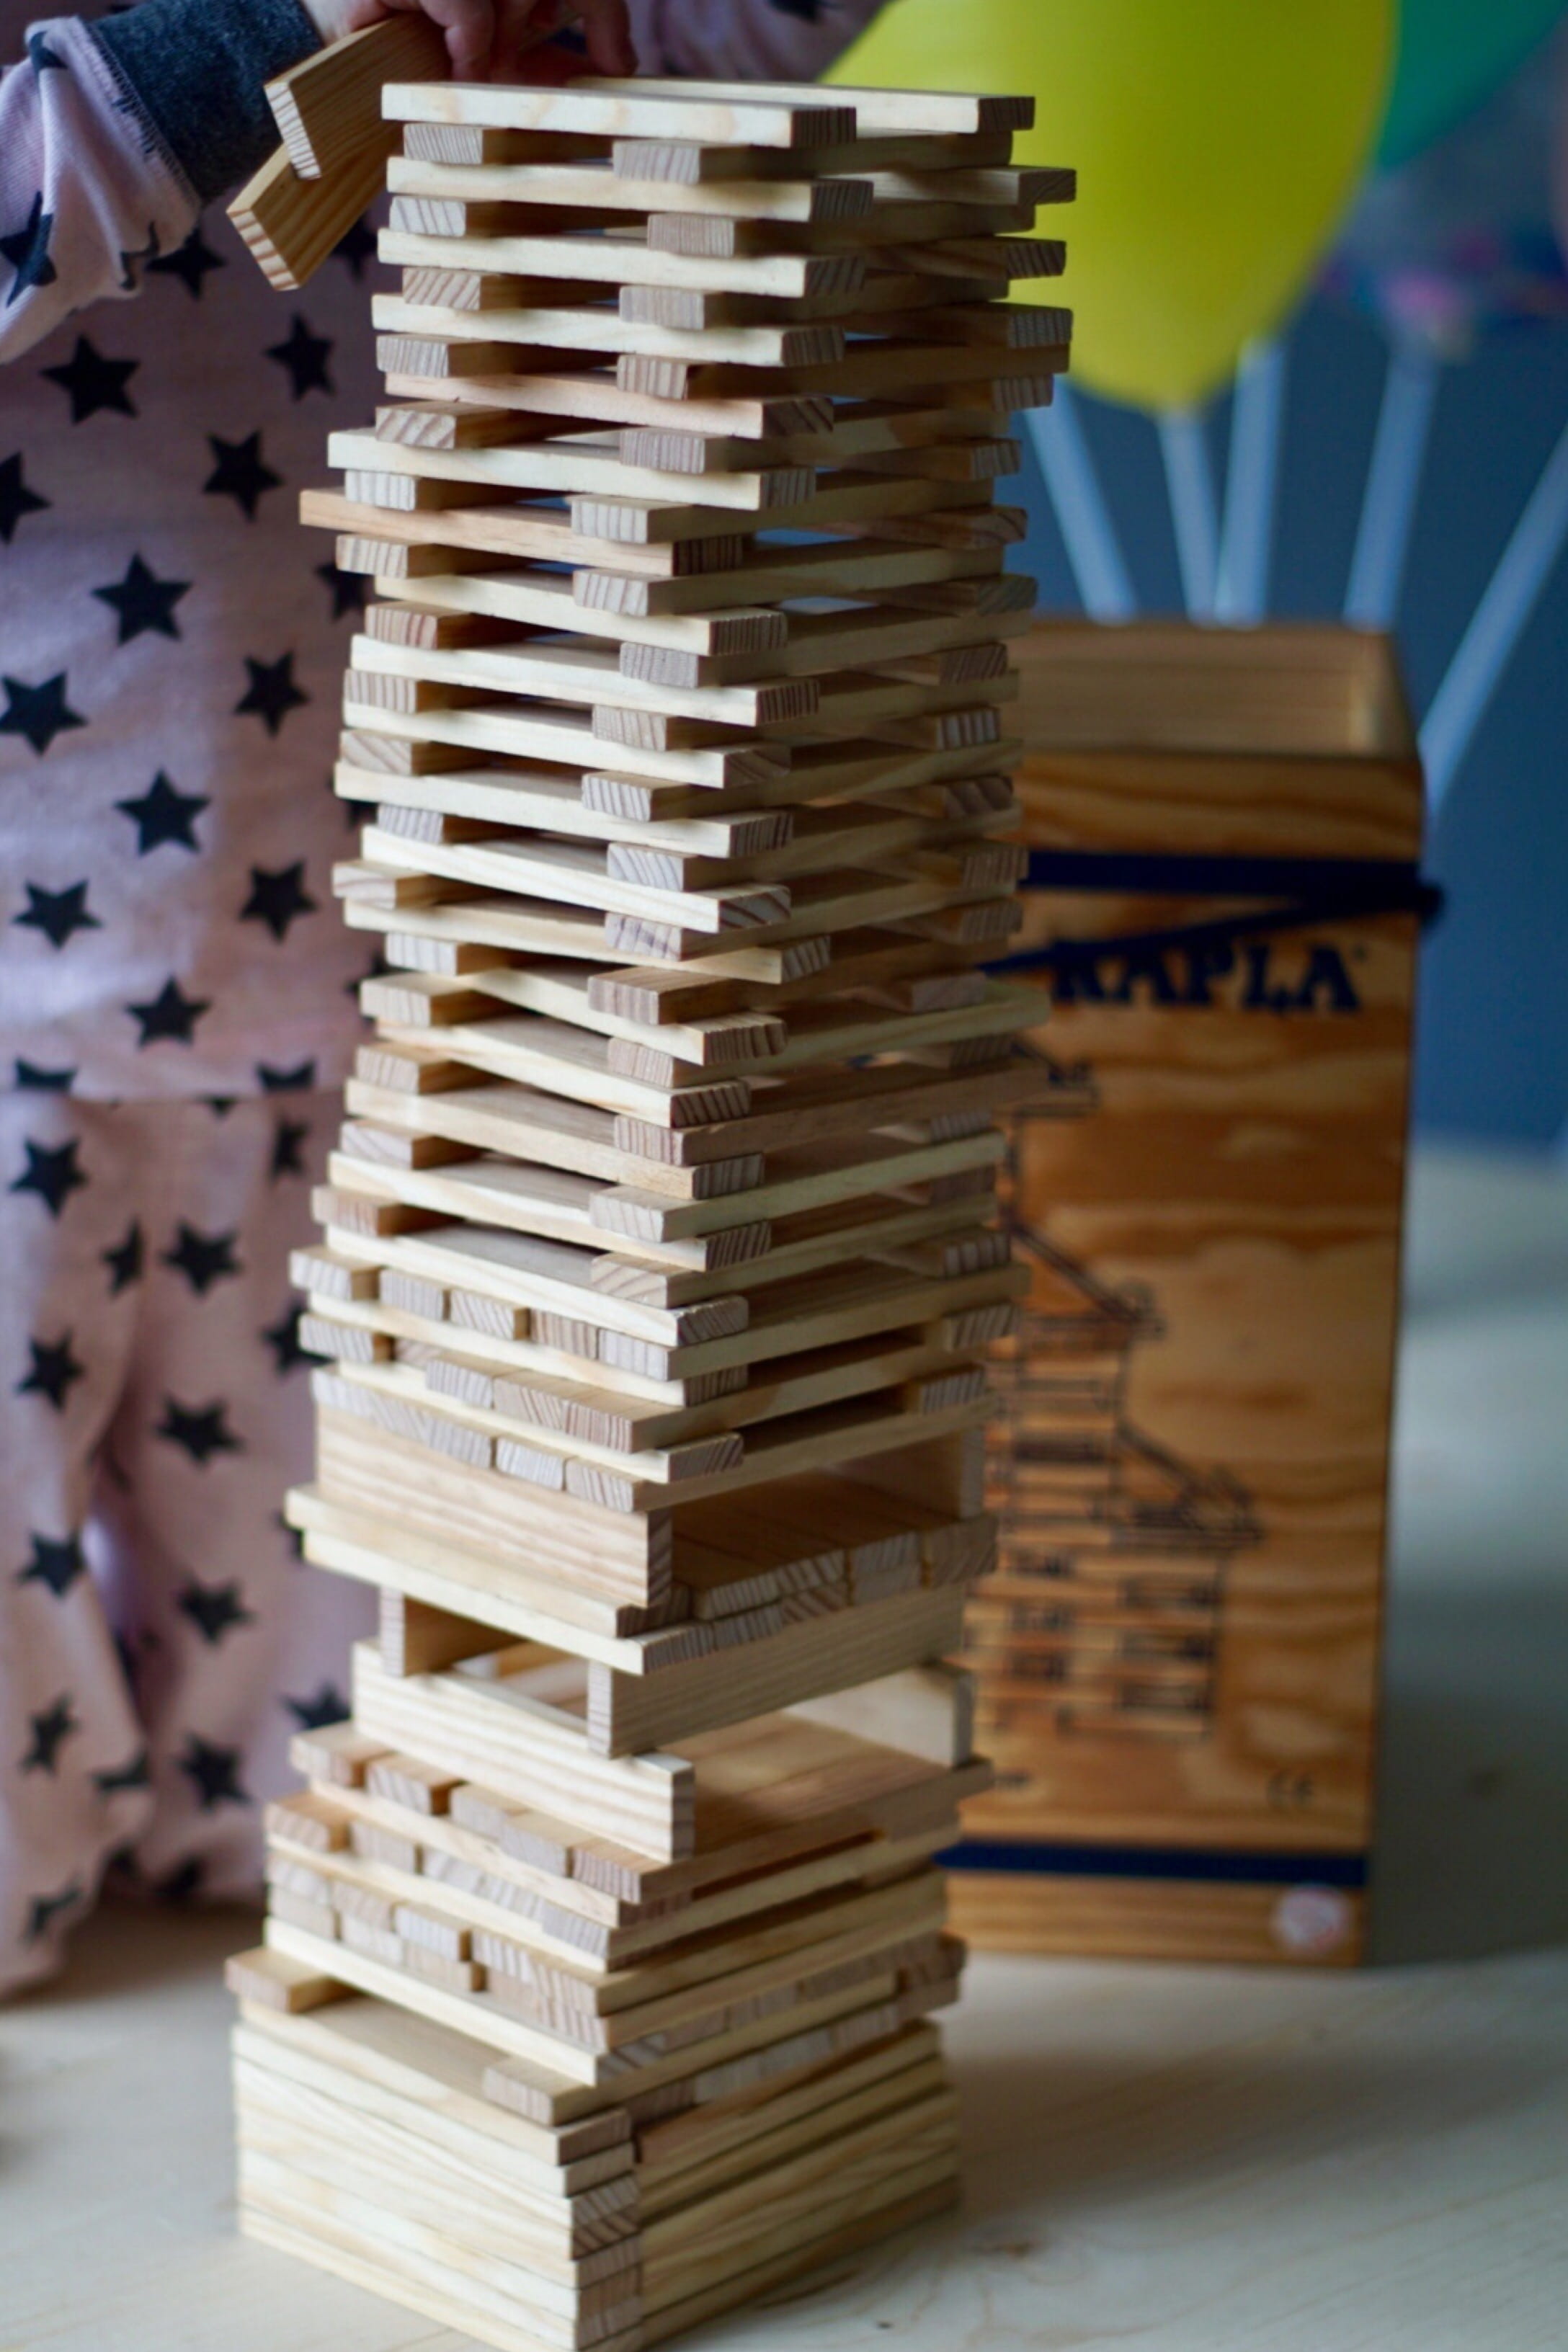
x=660, y=1252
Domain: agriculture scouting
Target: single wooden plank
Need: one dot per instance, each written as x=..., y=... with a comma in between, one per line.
x=563, y=738
x=585, y=672
x=896, y=112
x=794, y=1667
x=519, y=530
x=688, y=163
x=565, y=466
x=902, y=239
x=895, y=367
x=605, y=108
x=775, y=574
x=592, y=394
x=613, y=259
x=328, y=108
x=291, y=225
x=861, y=432
x=548, y=602
x=272, y=1981
x=564, y=991
x=334, y=1752
x=559, y=328
x=595, y=186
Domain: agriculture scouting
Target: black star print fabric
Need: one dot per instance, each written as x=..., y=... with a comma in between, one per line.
x=172, y=644
x=160, y=1641
x=174, y=983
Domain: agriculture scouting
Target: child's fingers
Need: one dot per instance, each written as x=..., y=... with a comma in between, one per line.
x=521, y=26
x=524, y=26
x=501, y=38
x=550, y=65
x=470, y=29
x=609, y=35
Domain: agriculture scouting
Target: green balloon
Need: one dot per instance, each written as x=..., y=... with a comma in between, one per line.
x=1451, y=54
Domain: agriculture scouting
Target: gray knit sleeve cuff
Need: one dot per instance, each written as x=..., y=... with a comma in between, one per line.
x=194, y=70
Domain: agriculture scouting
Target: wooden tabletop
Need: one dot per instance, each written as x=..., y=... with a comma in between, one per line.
x=1190, y=2160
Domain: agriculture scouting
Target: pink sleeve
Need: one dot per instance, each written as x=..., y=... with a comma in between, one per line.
x=87, y=190
x=746, y=40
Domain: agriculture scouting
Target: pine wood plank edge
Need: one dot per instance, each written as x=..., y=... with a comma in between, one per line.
x=328, y=108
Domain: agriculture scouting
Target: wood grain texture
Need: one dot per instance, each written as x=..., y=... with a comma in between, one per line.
x=1153, y=2155
x=291, y=225
x=661, y=1242
x=1139, y=1920
x=1179, y=1648
x=328, y=108
x=1251, y=2106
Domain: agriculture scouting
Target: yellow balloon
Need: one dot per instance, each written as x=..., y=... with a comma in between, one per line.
x=1216, y=144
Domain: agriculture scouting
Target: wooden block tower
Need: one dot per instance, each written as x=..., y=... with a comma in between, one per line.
x=660, y=1251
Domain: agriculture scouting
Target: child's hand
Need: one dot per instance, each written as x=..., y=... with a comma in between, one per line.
x=489, y=39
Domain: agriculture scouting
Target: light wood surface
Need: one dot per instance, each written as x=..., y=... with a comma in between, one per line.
x=1179, y=1650
x=1194, y=2160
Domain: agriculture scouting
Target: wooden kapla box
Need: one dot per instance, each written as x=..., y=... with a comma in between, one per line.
x=1179, y=1651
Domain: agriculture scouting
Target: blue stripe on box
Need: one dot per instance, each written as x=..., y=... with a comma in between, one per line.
x=1391, y=881
x=1064, y=1859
